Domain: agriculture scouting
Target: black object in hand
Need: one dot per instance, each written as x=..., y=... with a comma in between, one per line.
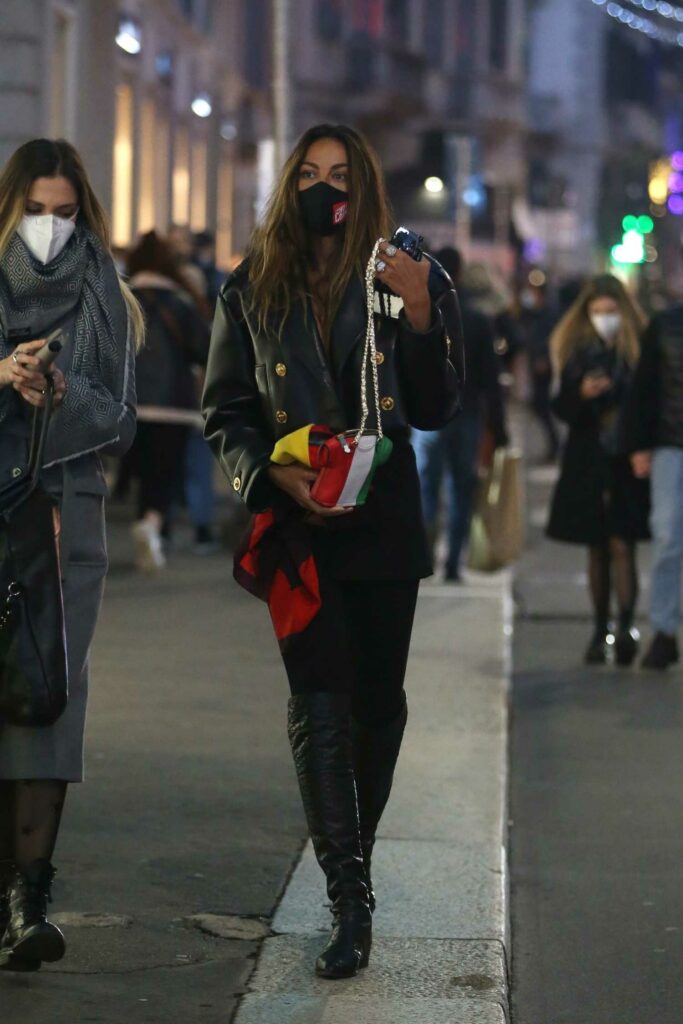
x=54, y=343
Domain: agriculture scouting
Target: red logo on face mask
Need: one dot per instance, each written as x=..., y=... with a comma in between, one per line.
x=339, y=211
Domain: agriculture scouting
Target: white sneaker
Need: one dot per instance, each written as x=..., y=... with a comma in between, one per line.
x=149, y=554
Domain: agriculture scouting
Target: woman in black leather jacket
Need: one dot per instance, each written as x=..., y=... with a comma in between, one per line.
x=286, y=352
x=598, y=501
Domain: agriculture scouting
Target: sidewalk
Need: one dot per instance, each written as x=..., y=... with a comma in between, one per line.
x=441, y=948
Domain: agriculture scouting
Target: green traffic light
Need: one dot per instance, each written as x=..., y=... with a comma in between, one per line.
x=646, y=225
x=630, y=223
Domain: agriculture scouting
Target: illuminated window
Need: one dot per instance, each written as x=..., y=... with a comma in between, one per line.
x=147, y=183
x=162, y=168
x=224, y=221
x=198, y=159
x=181, y=177
x=122, y=220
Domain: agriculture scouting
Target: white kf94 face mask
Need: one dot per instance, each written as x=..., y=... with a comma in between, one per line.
x=606, y=324
x=45, y=235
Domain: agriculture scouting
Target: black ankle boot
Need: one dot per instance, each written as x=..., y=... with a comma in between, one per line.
x=319, y=733
x=10, y=962
x=375, y=753
x=29, y=934
x=596, y=652
x=663, y=651
x=626, y=645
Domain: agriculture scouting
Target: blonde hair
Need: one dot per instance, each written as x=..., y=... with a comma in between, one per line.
x=47, y=158
x=575, y=329
x=281, y=254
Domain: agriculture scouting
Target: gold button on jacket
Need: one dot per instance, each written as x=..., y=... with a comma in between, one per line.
x=237, y=483
x=281, y=370
x=387, y=404
x=379, y=358
x=281, y=416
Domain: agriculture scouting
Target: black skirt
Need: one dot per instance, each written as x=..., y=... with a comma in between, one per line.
x=598, y=497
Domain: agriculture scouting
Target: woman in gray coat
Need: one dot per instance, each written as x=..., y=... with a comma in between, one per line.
x=56, y=270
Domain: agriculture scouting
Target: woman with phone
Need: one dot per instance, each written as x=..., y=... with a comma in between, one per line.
x=57, y=272
x=287, y=353
x=598, y=502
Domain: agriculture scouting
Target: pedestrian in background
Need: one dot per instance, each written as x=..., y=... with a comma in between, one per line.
x=535, y=321
x=483, y=290
x=177, y=342
x=181, y=242
x=56, y=268
x=286, y=353
x=455, y=448
x=598, y=502
x=653, y=433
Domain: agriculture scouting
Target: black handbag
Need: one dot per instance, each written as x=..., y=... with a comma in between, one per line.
x=33, y=661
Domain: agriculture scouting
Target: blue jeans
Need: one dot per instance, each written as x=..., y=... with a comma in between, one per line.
x=199, y=490
x=666, y=523
x=456, y=450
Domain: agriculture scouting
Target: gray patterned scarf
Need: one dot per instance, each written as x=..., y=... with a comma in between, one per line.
x=79, y=291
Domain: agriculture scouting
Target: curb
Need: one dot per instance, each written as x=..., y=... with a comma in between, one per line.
x=442, y=928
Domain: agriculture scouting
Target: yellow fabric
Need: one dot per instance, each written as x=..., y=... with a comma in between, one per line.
x=293, y=448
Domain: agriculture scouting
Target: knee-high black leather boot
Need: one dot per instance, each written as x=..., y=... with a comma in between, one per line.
x=319, y=727
x=375, y=753
x=29, y=934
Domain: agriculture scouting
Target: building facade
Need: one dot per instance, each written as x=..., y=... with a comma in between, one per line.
x=171, y=103
x=604, y=102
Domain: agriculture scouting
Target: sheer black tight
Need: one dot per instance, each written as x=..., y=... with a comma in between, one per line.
x=612, y=568
x=30, y=815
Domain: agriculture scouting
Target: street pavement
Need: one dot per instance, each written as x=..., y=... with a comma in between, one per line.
x=596, y=808
x=186, y=888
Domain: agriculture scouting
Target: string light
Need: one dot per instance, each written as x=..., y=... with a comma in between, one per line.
x=650, y=28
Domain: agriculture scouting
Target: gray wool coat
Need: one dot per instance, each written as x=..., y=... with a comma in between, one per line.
x=74, y=476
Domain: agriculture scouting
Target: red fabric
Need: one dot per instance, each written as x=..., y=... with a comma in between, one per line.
x=275, y=563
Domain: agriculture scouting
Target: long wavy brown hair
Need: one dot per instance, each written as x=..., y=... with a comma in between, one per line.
x=56, y=158
x=281, y=253
x=576, y=330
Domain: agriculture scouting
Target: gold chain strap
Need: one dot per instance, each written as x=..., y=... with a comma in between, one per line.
x=370, y=350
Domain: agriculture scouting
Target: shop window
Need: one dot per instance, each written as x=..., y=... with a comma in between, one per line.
x=198, y=161
x=122, y=219
x=181, y=177
x=147, y=183
x=224, y=231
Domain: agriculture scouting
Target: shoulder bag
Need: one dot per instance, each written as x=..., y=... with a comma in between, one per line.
x=33, y=660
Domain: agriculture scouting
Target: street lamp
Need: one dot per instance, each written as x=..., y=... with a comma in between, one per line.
x=129, y=36
x=201, y=105
x=434, y=185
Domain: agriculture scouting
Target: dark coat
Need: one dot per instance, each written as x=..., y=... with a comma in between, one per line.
x=177, y=338
x=597, y=495
x=259, y=388
x=653, y=417
x=483, y=391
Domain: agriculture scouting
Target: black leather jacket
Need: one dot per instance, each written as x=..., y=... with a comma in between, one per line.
x=654, y=411
x=260, y=388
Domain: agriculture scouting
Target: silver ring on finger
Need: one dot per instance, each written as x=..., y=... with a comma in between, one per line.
x=14, y=357
x=380, y=266
x=391, y=250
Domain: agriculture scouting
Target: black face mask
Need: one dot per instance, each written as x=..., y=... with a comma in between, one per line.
x=323, y=208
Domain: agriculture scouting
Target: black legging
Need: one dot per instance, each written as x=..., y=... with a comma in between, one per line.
x=357, y=644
